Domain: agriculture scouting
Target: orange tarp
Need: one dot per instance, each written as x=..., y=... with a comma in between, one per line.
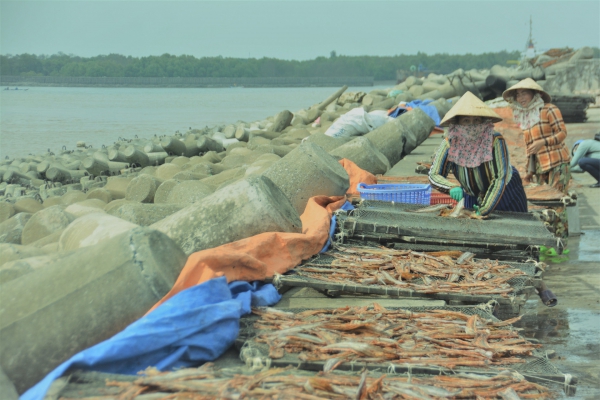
x=513, y=135
x=261, y=256
x=543, y=192
x=357, y=175
x=422, y=179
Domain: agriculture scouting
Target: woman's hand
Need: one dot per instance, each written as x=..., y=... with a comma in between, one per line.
x=456, y=193
x=536, y=146
x=527, y=178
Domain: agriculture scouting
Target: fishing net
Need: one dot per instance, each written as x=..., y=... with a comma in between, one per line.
x=536, y=368
x=529, y=268
x=482, y=310
x=521, y=285
x=512, y=255
x=501, y=230
x=210, y=381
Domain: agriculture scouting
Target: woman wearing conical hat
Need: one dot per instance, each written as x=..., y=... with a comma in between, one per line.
x=478, y=158
x=544, y=132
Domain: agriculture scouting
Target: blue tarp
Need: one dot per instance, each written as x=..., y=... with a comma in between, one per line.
x=194, y=326
x=423, y=105
x=346, y=207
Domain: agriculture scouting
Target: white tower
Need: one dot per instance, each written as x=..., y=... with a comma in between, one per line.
x=529, y=52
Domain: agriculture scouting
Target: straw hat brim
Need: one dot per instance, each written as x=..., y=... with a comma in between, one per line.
x=528, y=83
x=469, y=105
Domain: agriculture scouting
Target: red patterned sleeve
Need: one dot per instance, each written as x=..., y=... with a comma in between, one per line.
x=559, y=130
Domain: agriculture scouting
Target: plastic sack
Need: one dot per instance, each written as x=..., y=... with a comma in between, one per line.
x=357, y=122
x=392, y=94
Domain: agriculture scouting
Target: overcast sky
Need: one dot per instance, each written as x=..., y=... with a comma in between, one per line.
x=292, y=29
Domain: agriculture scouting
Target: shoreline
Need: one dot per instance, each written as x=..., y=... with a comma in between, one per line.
x=53, y=81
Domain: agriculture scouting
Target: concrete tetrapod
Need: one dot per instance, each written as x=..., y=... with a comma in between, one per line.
x=96, y=166
x=11, y=252
x=188, y=192
x=92, y=229
x=44, y=223
x=117, y=186
x=207, y=144
x=282, y=121
x=243, y=209
x=323, y=105
x=389, y=139
x=145, y=214
x=308, y=171
x=82, y=299
x=85, y=207
x=173, y=146
x=7, y=210
x=362, y=152
x=28, y=205
x=418, y=127
x=72, y=196
x=142, y=188
x=136, y=156
x=327, y=142
x=7, y=389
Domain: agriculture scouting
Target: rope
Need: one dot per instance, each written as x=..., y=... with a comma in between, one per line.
x=568, y=378
x=391, y=369
x=253, y=359
x=277, y=281
x=352, y=365
x=488, y=307
x=559, y=243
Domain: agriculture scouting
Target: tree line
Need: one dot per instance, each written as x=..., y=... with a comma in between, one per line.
x=167, y=65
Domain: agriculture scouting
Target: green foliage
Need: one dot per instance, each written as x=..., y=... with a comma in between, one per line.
x=550, y=255
x=167, y=65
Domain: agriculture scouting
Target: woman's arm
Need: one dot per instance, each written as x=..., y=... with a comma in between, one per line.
x=499, y=180
x=440, y=168
x=559, y=130
x=581, y=151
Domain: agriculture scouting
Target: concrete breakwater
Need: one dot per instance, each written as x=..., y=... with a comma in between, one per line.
x=120, y=211
x=203, y=82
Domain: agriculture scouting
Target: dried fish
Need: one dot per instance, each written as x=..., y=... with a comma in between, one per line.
x=509, y=394
x=438, y=337
x=438, y=272
x=361, y=392
x=434, y=208
x=457, y=209
x=291, y=383
x=465, y=257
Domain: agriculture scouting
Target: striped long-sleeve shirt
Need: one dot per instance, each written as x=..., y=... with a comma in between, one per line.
x=486, y=182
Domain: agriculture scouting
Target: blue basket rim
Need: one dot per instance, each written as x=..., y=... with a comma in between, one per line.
x=398, y=187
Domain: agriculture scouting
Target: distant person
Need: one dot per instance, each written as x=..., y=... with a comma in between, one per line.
x=479, y=159
x=544, y=132
x=586, y=157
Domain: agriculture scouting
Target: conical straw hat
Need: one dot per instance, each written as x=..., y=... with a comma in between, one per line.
x=527, y=83
x=470, y=105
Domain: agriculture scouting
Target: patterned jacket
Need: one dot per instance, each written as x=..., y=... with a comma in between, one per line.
x=486, y=182
x=551, y=129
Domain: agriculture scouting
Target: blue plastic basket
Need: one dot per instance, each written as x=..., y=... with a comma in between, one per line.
x=398, y=193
